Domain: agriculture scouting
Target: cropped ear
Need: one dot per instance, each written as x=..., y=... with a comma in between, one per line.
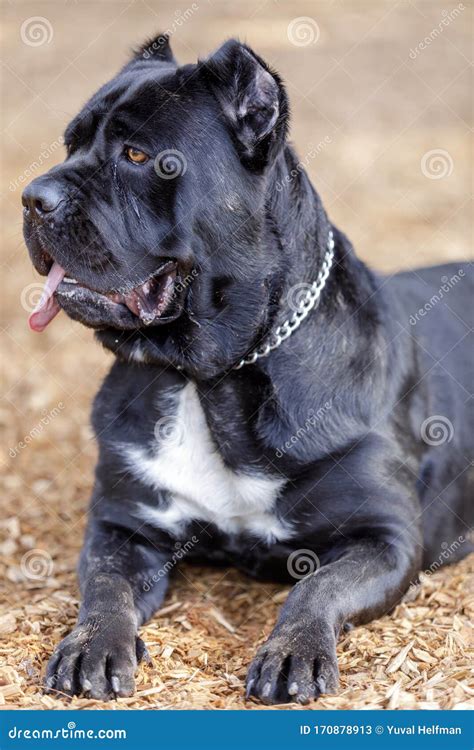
x=253, y=101
x=157, y=48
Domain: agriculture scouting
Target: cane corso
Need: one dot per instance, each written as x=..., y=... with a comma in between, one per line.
x=273, y=404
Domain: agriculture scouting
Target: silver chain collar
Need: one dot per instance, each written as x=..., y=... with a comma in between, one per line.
x=302, y=310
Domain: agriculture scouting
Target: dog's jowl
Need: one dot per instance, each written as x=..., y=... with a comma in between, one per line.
x=270, y=396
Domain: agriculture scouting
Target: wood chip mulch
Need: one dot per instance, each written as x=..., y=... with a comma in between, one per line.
x=201, y=642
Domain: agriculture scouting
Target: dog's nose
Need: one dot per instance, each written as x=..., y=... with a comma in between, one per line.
x=41, y=198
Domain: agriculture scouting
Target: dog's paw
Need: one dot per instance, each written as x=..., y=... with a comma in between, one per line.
x=97, y=659
x=295, y=664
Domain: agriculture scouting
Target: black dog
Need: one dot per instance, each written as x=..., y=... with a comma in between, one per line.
x=195, y=245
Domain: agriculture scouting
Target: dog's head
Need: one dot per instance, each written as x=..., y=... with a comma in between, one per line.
x=154, y=230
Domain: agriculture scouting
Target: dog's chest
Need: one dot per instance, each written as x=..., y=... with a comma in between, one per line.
x=187, y=465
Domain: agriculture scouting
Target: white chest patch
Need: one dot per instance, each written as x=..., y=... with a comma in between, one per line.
x=189, y=467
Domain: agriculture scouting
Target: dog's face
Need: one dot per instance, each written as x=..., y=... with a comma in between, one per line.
x=156, y=218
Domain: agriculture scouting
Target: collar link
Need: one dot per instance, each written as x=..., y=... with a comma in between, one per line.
x=302, y=309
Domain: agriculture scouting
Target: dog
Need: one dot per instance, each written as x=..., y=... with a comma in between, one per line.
x=271, y=405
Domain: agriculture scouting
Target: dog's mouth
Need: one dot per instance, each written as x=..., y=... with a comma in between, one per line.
x=145, y=304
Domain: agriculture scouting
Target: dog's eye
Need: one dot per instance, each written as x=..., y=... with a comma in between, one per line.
x=136, y=156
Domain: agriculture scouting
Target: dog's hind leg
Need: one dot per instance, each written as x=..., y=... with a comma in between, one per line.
x=123, y=581
x=298, y=661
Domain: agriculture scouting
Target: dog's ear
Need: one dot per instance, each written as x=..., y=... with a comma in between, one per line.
x=157, y=48
x=252, y=99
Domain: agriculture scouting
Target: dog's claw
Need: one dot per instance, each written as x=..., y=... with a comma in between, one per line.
x=266, y=690
x=248, y=690
x=97, y=662
x=295, y=666
x=142, y=652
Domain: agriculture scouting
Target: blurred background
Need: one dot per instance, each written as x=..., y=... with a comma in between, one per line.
x=382, y=121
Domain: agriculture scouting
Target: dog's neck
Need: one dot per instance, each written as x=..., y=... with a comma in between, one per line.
x=297, y=222
x=350, y=334
x=297, y=218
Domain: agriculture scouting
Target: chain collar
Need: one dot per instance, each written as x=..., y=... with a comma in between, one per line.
x=301, y=311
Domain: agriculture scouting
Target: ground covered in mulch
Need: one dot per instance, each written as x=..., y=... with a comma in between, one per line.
x=366, y=113
x=201, y=642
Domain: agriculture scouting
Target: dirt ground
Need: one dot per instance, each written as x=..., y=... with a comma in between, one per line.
x=381, y=111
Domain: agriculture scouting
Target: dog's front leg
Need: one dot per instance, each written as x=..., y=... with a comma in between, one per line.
x=123, y=581
x=298, y=661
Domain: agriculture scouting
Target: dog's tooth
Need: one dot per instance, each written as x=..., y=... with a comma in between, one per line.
x=68, y=280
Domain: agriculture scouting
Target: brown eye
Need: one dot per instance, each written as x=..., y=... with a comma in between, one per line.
x=136, y=156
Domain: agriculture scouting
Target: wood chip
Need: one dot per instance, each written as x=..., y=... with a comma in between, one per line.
x=397, y=662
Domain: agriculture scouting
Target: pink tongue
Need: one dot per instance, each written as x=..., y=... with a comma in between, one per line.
x=47, y=308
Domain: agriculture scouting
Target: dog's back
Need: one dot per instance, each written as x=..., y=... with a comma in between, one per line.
x=436, y=309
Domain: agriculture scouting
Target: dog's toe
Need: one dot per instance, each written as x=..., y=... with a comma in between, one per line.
x=99, y=663
x=93, y=678
x=121, y=668
x=294, y=665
